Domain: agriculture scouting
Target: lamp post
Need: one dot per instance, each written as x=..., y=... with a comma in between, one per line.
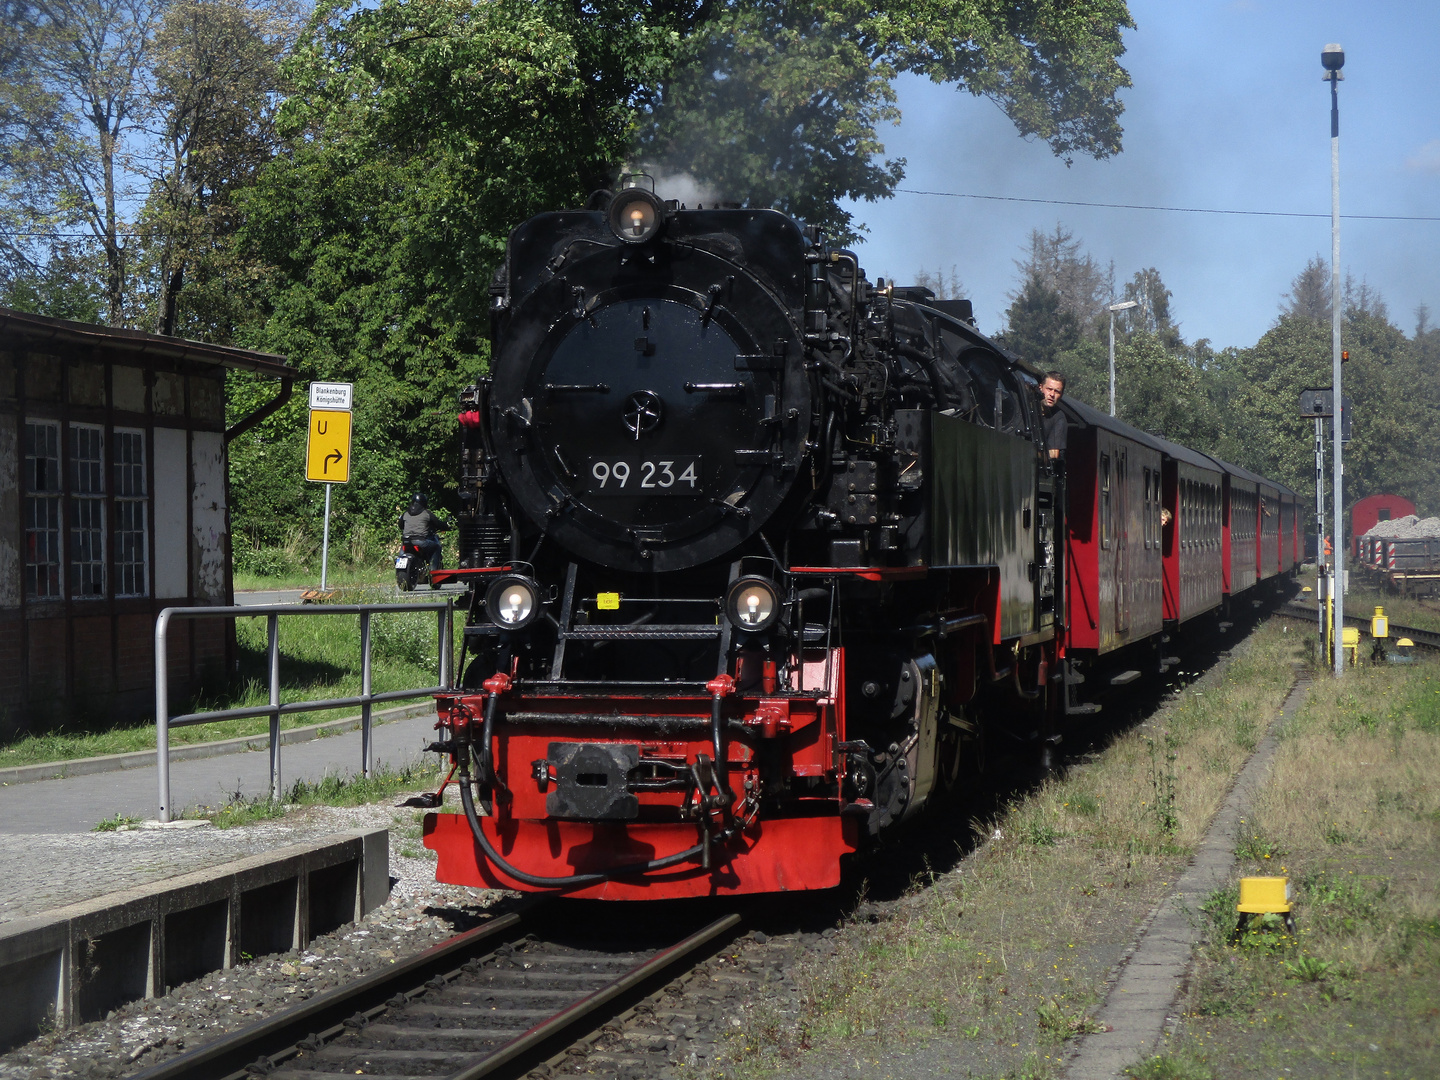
x=1123, y=305
x=1332, y=59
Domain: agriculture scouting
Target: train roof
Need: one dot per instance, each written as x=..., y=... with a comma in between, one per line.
x=1084, y=416
x=1245, y=474
x=1190, y=457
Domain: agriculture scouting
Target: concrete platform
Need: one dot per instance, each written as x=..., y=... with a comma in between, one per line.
x=77, y=963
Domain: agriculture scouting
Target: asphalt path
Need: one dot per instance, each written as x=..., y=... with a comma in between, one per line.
x=76, y=804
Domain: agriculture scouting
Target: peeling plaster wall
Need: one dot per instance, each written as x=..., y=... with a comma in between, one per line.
x=170, y=502
x=207, y=514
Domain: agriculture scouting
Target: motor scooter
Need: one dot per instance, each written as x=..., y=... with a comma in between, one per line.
x=412, y=566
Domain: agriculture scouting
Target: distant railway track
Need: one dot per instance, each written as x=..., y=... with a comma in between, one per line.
x=492, y=1002
x=1427, y=639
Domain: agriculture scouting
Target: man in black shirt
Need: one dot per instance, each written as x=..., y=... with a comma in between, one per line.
x=1052, y=389
x=420, y=526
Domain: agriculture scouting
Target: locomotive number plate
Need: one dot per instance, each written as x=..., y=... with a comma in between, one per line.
x=677, y=475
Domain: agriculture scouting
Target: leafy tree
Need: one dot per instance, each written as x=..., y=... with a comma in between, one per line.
x=1161, y=390
x=216, y=73
x=1309, y=295
x=82, y=67
x=419, y=134
x=779, y=104
x=1393, y=431
x=1152, y=315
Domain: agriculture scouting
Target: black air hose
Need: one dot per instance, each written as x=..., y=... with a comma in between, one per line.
x=467, y=800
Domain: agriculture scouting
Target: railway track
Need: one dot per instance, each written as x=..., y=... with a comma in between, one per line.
x=492, y=1002
x=1428, y=639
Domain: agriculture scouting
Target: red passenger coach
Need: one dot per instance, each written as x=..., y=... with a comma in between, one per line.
x=1192, y=538
x=1114, y=560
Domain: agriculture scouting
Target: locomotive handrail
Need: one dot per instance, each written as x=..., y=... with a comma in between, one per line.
x=272, y=612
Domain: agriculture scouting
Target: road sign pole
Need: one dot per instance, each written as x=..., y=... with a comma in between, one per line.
x=325, y=545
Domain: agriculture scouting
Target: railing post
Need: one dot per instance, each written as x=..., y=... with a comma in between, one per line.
x=162, y=713
x=447, y=643
x=273, y=629
x=367, y=751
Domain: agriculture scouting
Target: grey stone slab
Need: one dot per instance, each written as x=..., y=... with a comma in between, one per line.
x=1138, y=1006
x=145, y=759
x=76, y=804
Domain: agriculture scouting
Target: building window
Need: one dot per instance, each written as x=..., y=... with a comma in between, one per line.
x=87, y=511
x=128, y=462
x=42, y=509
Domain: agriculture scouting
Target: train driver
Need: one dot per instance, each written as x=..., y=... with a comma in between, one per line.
x=1052, y=389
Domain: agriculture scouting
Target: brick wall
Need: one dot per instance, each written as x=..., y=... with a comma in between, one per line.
x=45, y=662
x=94, y=664
x=136, y=669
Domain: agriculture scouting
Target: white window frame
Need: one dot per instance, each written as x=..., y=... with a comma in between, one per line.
x=44, y=495
x=87, y=524
x=131, y=495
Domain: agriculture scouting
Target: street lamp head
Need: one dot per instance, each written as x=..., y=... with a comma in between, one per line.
x=1332, y=58
x=1124, y=305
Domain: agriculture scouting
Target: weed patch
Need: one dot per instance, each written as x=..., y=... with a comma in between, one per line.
x=1005, y=958
x=1348, y=815
x=382, y=783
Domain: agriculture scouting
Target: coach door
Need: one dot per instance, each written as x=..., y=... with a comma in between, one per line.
x=1122, y=542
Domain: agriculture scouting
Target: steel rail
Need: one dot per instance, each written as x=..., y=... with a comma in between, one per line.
x=231, y=1054
x=1428, y=639
x=269, y=1043
x=567, y=1020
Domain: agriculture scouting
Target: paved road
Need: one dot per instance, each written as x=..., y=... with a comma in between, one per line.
x=255, y=597
x=74, y=805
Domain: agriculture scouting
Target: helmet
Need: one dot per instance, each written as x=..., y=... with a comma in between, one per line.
x=417, y=502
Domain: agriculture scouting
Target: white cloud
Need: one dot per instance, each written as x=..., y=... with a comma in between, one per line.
x=1426, y=159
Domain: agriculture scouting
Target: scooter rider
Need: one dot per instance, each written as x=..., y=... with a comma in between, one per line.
x=419, y=526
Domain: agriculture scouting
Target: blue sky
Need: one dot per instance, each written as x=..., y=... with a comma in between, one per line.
x=1227, y=110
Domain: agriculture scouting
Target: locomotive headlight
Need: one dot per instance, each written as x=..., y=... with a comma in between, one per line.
x=635, y=215
x=512, y=602
x=752, y=604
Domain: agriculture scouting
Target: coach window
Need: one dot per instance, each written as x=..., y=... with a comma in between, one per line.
x=1104, y=500
x=1145, y=515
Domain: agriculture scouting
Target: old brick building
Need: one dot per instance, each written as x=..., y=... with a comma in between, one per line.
x=113, y=505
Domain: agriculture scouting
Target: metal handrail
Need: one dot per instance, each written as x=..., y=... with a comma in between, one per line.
x=272, y=612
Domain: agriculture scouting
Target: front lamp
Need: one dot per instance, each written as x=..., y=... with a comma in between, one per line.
x=635, y=215
x=512, y=602
x=752, y=604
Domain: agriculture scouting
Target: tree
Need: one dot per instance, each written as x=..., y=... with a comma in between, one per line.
x=780, y=104
x=1394, y=431
x=1159, y=389
x=418, y=135
x=82, y=69
x=216, y=73
x=1309, y=295
x=1152, y=315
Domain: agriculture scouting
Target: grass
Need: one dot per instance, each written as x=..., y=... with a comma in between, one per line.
x=383, y=782
x=119, y=821
x=1006, y=959
x=360, y=560
x=320, y=658
x=1351, y=814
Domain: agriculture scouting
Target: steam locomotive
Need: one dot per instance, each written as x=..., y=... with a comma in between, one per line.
x=762, y=555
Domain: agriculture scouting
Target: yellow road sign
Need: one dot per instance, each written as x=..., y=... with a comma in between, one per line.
x=327, y=459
